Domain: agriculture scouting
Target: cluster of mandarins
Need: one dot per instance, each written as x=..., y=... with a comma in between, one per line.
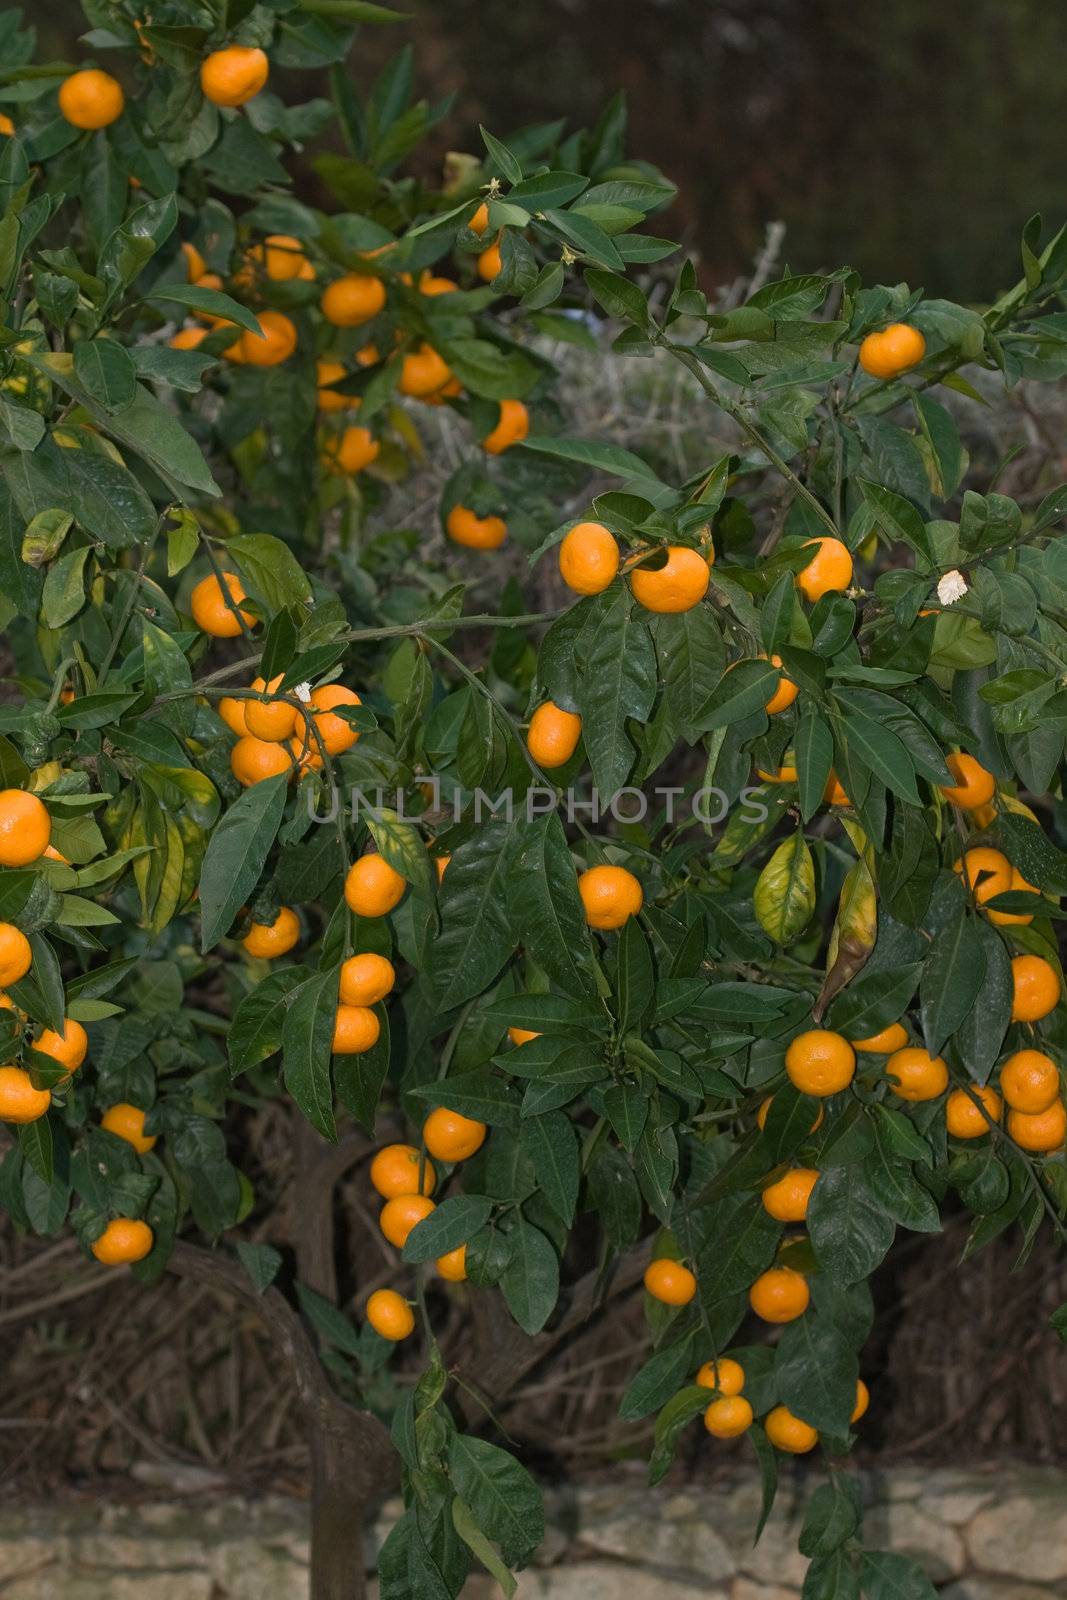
x=406, y=1178
x=25, y=838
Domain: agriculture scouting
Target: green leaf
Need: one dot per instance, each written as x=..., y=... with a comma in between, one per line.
x=885, y=1576
x=546, y=909
x=261, y=1261
x=259, y=1021
x=236, y=854
x=271, y=570
x=784, y=897
x=952, y=977
x=455, y=1222
x=105, y=370
x=848, y=1225
x=531, y=1282
x=307, y=1035
x=609, y=458
x=331, y=1324
x=199, y=297
x=658, y=1378
x=619, y=297
x=64, y=588
x=816, y=1368
x=504, y=1499
x=834, y=1515
x=741, y=691
x=679, y=1410
x=552, y=1146
x=506, y=163
x=897, y=518
x=619, y=683
x=476, y=937
x=476, y=1541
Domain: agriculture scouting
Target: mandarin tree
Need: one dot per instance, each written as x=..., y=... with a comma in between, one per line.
x=714, y=893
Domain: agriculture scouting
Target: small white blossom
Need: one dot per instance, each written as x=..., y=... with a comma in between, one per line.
x=303, y=692
x=953, y=586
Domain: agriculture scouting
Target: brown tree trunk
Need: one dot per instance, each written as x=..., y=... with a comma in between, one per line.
x=350, y=1452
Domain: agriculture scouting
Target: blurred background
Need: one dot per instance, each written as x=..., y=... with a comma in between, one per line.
x=908, y=140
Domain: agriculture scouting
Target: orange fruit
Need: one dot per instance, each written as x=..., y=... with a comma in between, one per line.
x=390, y=1315
x=91, y=99
x=480, y=220
x=974, y=786
x=512, y=426
x=373, y=887
x=916, y=1075
x=678, y=586
x=272, y=720
x=195, y=265
x=188, y=338
x=1037, y=988
x=274, y=344
x=452, y=1266
x=124, y=1239
x=588, y=558
x=441, y=863
x=210, y=611
x=15, y=954
x=68, y=1047
x=828, y=572
x=232, y=76
x=610, y=895
x=863, y=1400
x=356, y=1030
x=779, y=1295
x=366, y=979
x=336, y=734
x=724, y=1375
x=395, y=1171
x=728, y=1418
x=885, y=1042
x=489, y=263
x=782, y=775
x=834, y=794
x=787, y=1432
x=963, y=1119
x=784, y=695
x=127, y=1122
x=328, y=372
x=893, y=351
x=765, y=1110
x=1029, y=1081
x=19, y=1101
x=402, y=1213
x=252, y=760
x=269, y=939
x=283, y=257
x=787, y=1199
x=987, y=872
x=430, y=284
x=232, y=713
x=25, y=828
x=553, y=735
x=350, y=451
x=521, y=1036
x=7, y=127
x=1039, y=1131
x=423, y=372
x=670, y=1282
x=350, y=301
x=820, y=1062
x=452, y=1137
x=476, y=533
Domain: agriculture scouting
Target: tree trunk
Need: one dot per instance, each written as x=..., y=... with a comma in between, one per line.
x=345, y=1449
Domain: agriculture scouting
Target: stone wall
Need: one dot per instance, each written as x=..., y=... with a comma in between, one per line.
x=996, y=1534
